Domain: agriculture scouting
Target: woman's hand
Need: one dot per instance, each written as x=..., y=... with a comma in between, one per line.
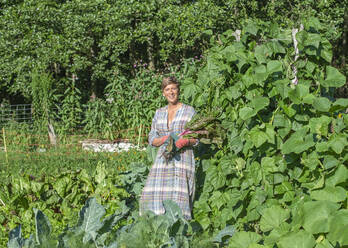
x=180, y=143
x=160, y=141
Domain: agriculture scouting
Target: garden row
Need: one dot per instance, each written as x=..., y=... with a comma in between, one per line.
x=59, y=188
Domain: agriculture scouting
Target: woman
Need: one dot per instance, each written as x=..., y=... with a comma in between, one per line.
x=173, y=179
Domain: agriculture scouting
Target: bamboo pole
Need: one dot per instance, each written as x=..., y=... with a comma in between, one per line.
x=4, y=138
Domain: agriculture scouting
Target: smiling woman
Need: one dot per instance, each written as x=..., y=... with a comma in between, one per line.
x=171, y=179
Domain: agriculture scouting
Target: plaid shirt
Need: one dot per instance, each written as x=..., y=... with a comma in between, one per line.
x=174, y=179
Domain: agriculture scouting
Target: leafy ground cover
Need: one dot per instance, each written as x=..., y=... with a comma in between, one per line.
x=60, y=185
x=281, y=177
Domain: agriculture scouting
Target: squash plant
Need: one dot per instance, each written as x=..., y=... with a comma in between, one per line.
x=281, y=175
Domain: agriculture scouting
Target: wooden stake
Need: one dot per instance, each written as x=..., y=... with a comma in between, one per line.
x=52, y=135
x=140, y=130
x=4, y=137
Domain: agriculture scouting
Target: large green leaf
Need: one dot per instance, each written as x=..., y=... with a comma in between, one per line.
x=319, y=125
x=313, y=40
x=258, y=137
x=261, y=54
x=228, y=231
x=100, y=173
x=274, y=66
x=281, y=86
x=339, y=104
x=15, y=239
x=43, y=227
x=110, y=221
x=230, y=53
x=275, y=47
x=273, y=217
x=322, y=104
x=172, y=210
x=298, y=142
x=61, y=185
x=89, y=220
x=338, y=143
x=246, y=113
x=259, y=103
x=339, y=176
x=330, y=162
x=338, y=227
x=325, y=50
x=298, y=93
x=333, y=78
x=312, y=24
x=251, y=28
x=316, y=215
x=244, y=239
x=299, y=239
x=260, y=75
x=330, y=193
x=277, y=233
x=268, y=165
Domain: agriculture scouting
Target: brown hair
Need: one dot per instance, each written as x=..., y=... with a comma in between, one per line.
x=169, y=80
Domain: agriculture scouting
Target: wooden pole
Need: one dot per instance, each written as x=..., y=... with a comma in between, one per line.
x=4, y=138
x=52, y=134
x=140, y=130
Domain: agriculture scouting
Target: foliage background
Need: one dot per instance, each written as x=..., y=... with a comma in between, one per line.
x=88, y=45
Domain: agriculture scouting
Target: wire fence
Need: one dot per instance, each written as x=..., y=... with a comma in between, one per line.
x=15, y=113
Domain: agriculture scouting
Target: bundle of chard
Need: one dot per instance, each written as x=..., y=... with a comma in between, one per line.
x=170, y=150
x=206, y=128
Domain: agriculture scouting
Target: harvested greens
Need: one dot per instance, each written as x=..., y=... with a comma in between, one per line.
x=171, y=150
x=206, y=128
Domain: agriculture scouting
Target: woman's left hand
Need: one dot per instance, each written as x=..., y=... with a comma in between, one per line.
x=181, y=142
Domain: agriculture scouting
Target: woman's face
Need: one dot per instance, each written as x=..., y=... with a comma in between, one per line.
x=171, y=93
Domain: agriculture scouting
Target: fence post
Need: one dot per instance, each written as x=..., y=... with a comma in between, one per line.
x=4, y=138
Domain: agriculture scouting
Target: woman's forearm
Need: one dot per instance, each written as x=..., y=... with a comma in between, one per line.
x=158, y=141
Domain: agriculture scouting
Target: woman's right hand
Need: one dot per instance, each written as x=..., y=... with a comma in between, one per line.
x=160, y=141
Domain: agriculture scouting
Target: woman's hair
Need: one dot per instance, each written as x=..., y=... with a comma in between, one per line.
x=169, y=80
